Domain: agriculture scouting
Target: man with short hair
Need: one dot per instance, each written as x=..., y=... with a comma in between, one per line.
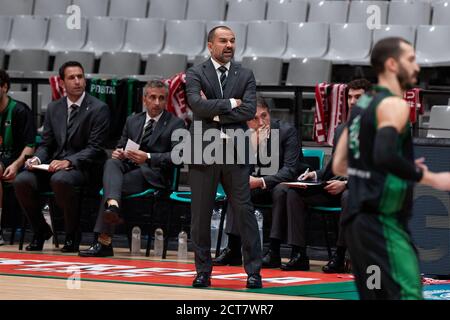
x=17, y=137
x=263, y=187
x=221, y=95
x=75, y=130
x=134, y=171
x=376, y=151
x=289, y=220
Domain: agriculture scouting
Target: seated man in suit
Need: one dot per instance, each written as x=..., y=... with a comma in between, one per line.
x=298, y=200
x=265, y=188
x=134, y=171
x=75, y=130
x=17, y=136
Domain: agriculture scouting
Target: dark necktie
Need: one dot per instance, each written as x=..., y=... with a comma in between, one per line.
x=148, y=130
x=223, y=77
x=72, y=116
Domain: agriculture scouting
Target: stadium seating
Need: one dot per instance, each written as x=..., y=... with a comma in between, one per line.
x=358, y=11
x=406, y=32
x=49, y=8
x=288, y=11
x=266, y=38
x=315, y=34
x=439, y=119
x=185, y=37
x=105, y=34
x=267, y=70
x=128, y=8
x=349, y=43
x=120, y=63
x=2, y=58
x=409, y=12
x=87, y=59
x=328, y=11
x=28, y=60
x=308, y=72
x=167, y=9
x=206, y=10
x=92, y=8
x=441, y=13
x=165, y=65
x=144, y=36
x=62, y=38
x=433, y=46
x=16, y=7
x=5, y=30
x=246, y=10
x=28, y=32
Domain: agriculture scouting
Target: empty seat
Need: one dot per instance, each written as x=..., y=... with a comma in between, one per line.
x=358, y=11
x=267, y=70
x=106, y=34
x=165, y=65
x=87, y=59
x=246, y=10
x=287, y=10
x=328, y=11
x=27, y=60
x=28, y=32
x=409, y=12
x=266, y=38
x=315, y=34
x=308, y=72
x=92, y=8
x=15, y=74
x=206, y=10
x=349, y=43
x=50, y=7
x=439, y=125
x=441, y=13
x=144, y=36
x=406, y=32
x=128, y=9
x=62, y=38
x=167, y=9
x=16, y=7
x=120, y=63
x=44, y=90
x=23, y=96
x=5, y=30
x=433, y=45
x=240, y=31
x=185, y=37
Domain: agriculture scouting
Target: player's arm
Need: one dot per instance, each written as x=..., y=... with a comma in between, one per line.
x=339, y=160
x=392, y=117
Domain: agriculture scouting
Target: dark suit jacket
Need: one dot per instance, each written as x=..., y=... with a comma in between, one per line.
x=240, y=85
x=84, y=145
x=290, y=156
x=326, y=173
x=158, y=170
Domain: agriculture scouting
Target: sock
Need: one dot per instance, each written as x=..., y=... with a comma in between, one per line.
x=104, y=239
x=234, y=242
x=275, y=246
x=340, y=252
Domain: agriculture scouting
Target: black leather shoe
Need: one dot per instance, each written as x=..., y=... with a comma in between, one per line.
x=271, y=260
x=228, y=257
x=254, y=281
x=335, y=265
x=72, y=243
x=298, y=262
x=97, y=250
x=37, y=244
x=202, y=280
x=111, y=215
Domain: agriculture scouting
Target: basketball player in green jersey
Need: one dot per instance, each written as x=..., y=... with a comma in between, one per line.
x=376, y=152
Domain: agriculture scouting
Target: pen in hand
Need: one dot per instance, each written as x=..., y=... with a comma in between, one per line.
x=303, y=175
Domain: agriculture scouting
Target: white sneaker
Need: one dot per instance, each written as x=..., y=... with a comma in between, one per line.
x=2, y=242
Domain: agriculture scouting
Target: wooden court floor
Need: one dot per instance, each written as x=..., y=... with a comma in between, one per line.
x=28, y=288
